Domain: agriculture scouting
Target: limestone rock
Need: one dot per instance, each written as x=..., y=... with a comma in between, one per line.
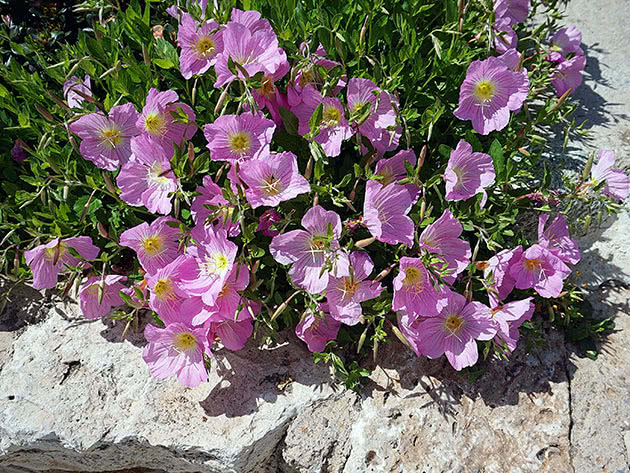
x=418, y=415
x=73, y=398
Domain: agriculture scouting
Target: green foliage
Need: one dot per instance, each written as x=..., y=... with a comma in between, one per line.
x=417, y=49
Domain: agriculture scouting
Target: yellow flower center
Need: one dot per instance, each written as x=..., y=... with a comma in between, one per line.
x=155, y=124
x=110, y=137
x=484, y=90
x=163, y=288
x=93, y=289
x=307, y=77
x=184, y=341
x=460, y=176
x=204, y=46
x=214, y=265
x=268, y=88
x=153, y=245
x=349, y=288
x=318, y=243
x=357, y=107
x=157, y=177
x=412, y=275
x=532, y=264
x=272, y=186
x=453, y=323
x=331, y=116
x=50, y=252
x=240, y=142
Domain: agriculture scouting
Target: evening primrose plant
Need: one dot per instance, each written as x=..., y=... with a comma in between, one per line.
x=358, y=174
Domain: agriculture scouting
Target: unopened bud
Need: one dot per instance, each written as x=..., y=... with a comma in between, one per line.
x=108, y=183
x=102, y=230
x=365, y=242
x=221, y=101
x=481, y=265
x=44, y=113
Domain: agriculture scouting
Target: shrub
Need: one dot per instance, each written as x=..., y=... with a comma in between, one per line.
x=383, y=178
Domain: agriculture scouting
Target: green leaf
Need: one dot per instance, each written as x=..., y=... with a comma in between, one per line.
x=498, y=159
x=164, y=63
x=289, y=120
x=316, y=119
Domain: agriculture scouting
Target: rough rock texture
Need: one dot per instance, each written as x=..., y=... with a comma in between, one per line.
x=64, y=406
x=418, y=415
x=600, y=390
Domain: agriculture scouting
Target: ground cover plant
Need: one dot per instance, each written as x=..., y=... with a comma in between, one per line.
x=361, y=173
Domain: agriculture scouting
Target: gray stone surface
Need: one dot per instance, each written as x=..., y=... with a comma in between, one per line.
x=600, y=390
x=75, y=398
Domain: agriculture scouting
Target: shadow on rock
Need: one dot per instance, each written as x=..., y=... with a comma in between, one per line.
x=22, y=304
x=254, y=375
x=118, y=331
x=401, y=373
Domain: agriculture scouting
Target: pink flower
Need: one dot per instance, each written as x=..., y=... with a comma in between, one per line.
x=508, y=318
x=18, y=152
x=214, y=258
x=333, y=128
x=272, y=179
x=201, y=44
x=106, y=141
x=314, y=253
x=497, y=273
x=468, y=173
x=617, y=182
x=169, y=296
x=453, y=332
x=512, y=58
x=393, y=169
x=385, y=212
x=220, y=209
x=344, y=295
x=540, y=269
x=568, y=75
x=557, y=240
x=442, y=237
x=268, y=96
x=505, y=37
x=237, y=137
x=158, y=124
x=413, y=290
x=251, y=19
x=255, y=52
x=380, y=125
x=317, y=330
x=515, y=11
x=47, y=261
x=233, y=334
x=156, y=244
x=70, y=88
x=567, y=41
x=147, y=179
x=89, y=295
x=177, y=349
x=488, y=94
x=266, y=222
x=307, y=73
x=228, y=300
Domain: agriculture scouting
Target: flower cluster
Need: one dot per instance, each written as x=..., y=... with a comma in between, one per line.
x=196, y=271
x=569, y=60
